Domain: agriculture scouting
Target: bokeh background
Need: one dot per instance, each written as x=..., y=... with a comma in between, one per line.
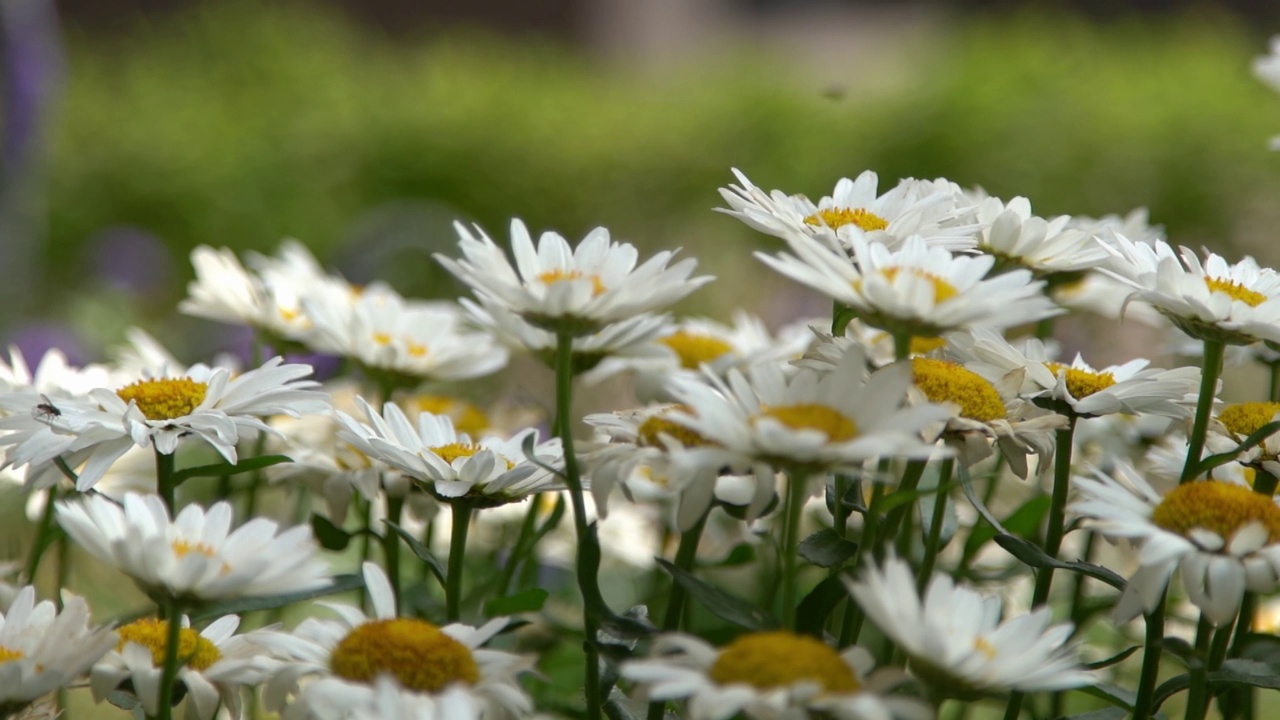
x=134, y=130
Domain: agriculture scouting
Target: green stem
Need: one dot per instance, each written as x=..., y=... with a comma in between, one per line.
x=910, y=480
x=1152, y=649
x=934, y=541
x=1014, y=708
x=1057, y=509
x=853, y=616
x=839, y=509
x=901, y=346
x=588, y=548
x=164, y=480
x=391, y=544
x=1264, y=483
x=685, y=556
x=457, y=557
x=790, y=544
x=41, y=541
x=1044, y=329
x=1218, y=650
x=170, y=672
x=519, y=550
x=1273, y=387
x=1213, y=352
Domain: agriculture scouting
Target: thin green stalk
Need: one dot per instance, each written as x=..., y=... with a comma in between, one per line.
x=1014, y=708
x=790, y=546
x=1273, y=387
x=391, y=544
x=1243, y=696
x=840, y=510
x=934, y=541
x=164, y=480
x=170, y=672
x=519, y=550
x=1212, y=367
x=685, y=556
x=901, y=346
x=1264, y=483
x=910, y=480
x=588, y=548
x=41, y=541
x=1057, y=509
x=1218, y=650
x=1152, y=649
x=457, y=557
x=851, y=627
x=1198, y=693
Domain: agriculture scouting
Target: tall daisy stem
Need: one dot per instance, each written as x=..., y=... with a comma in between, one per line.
x=1057, y=508
x=391, y=544
x=1213, y=352
x=41, y=541
x=520, y=549
x=910, y=480
x=851, y=627
x=165, y=485
x=170, y=672
x=790, y=546
x=588, y=548
x=685, y=555
x=933, y=542
x=457, y=558
x=1153, y=648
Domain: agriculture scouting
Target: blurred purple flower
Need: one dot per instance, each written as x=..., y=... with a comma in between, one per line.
x=35, y=339
x=131, y=259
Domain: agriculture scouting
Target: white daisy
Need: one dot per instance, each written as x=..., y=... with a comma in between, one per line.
x=195, y=556
x=345, y=657
x=42, y=650
x=1224, y=537
x=1236, y=304
x=1047, y=248
x=917, y=290
x=388, y=701
x=216, y=664
x=490, y=470
x=770, y=676
x=934, y=209
x=573, y=290
x=956, y=640
x=1236, y=422
x=158, y=411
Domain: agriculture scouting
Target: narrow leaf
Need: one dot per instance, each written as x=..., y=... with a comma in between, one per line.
x=239, y=606
x=1032, y=555
x=966, y=484
x=1117, y=696
x=1022, y=522
x=724, y=605
x=811, y=614
x=1249, y=443
x=421, y=551
x=330, y=536
x=221, y=469
x=827, y=549
x=1118, y=657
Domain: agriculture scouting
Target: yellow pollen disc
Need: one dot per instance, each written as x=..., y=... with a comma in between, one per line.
x=839, y=217
x=650, y=432
x=1220, y=507
x=768, y=660
x=193, y=649
x=7, y=655
x=1083, y=383
x=1245, y=419
x=694, y=349
x=926, y=345
x=942, y=290
x=289, y=314
x=812, y=416
x=558, y=275
x=417, y=653
x=453, y=451
x=1252, y=298
x=467, y=418
x=416, y=350
x=981, y=645
x=165, y=399
x=381, y=338
x=943, y=381
x=181, y=548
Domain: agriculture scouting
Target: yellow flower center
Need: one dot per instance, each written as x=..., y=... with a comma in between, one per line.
x=694, y=349
x=981, y=645
x=650, y=432
x=415, y=652
x=559, y=275
x=196, y=651
x=416, y=350
x=1220, y=507
x=835, y=218
x=768, y=660
x=926, y=345
x=467, y=418
x=1252, y=298
x=182, y=548
x=942, y=381
x=1244, y=419
x=812, y=416
x=7, y=655
x=1082, y=383
x=165, y=398
x=453, y=451
x=942, y=290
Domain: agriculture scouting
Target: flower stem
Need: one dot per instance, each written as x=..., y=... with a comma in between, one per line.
x=1153, y=647
x=170, y=672
x=164, y=480
x=853, y=617
x=588, y=549
x=685, y=555
x=790, y=544
x=391, y=544
x=1057, y=509
x=519, y=550
x=457, y=556
x=41, y=541
x=934, y=540
x=1212, y=367
x=1273, y=387
x=910, y=480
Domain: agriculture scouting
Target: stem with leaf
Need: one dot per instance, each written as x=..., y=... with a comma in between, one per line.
x=165, y=484
x=169, y=674
x=43, y=533
x=1212, y=367
x=796, y=482
x=933, y=542
x=457, y=556
x=1057, y=508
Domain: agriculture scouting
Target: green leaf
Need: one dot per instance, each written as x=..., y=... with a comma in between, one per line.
x=1249, y=443
x=1032, y=555
x=966, y=484
x=221, y=469
x=530, y=600
x=1117, y=696
x=724, y=605
x=239, y=606
x=741, y=554
x=811, y=614
x=421, y=551
x=827, y=549
x=1251, y=673
x=1118, y=657
x=900, y=497
x=1022, y=522
x=330, y=536
x=527, y=447
x=1169, y=688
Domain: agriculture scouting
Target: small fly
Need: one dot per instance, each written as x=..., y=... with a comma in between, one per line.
x=46, y=411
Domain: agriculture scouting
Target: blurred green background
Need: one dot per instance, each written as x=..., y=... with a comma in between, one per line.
x=239, y=124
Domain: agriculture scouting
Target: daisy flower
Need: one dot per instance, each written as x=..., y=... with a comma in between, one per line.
x=917, y=290
x=935, y=210
x=158, y=411
x=768, y=675
x=1048, y=248
x=387, y=702
x=344, y=659
x=488, y=471
x=1223, y=536
x=956, y=641
x=42, y=649
x=570, y=290
x=1236, y=304
x=1238, y=421
x=195, y=556
x=216, y=664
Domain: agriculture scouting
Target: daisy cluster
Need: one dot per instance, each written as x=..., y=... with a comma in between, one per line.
x=937, y=496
